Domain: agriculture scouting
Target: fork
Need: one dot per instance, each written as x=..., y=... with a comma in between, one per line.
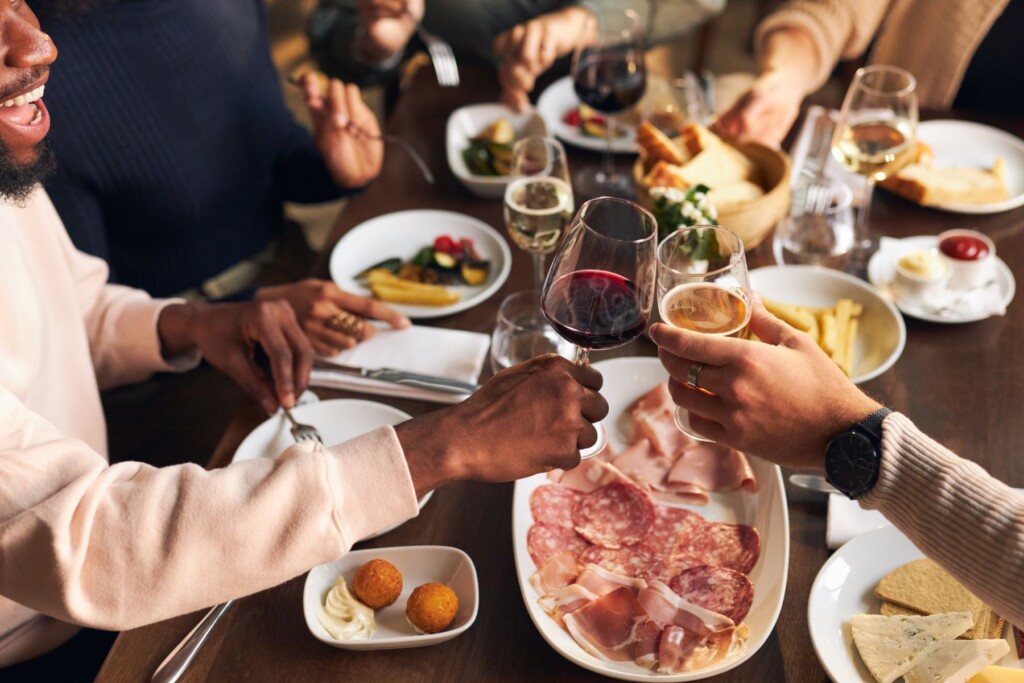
x=301, y=432
x=445, y=67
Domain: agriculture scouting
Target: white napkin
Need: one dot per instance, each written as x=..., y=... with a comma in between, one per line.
x=847, y=520
x=455, y=354
x=964, y=304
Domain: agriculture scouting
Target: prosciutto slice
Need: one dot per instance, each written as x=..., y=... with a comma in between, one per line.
x=615, y=628
x=679, y=650
x=565, y=601
x=713, y=467
x=560, y=570
x=600, y=581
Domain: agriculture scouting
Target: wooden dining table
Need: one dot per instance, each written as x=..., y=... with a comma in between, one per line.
x=961, y=383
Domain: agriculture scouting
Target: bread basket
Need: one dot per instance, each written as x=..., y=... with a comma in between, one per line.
x=754, y=220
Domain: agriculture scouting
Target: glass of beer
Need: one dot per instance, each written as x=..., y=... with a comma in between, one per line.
x=703, y=286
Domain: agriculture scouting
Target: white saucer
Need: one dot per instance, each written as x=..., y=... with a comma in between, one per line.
x=881, y=274
x=558, y=99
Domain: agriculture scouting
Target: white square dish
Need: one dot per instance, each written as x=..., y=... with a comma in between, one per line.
x=418, y=565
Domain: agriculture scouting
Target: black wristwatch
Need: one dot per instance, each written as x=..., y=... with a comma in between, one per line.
x=853, y=457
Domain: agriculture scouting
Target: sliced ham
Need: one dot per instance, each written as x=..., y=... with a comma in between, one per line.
x=615, y=627
x=641, y=463
x=679, y=650
x=665, y=608
x=662, y=432
x=713, y=467
x=560, y=570
x=601, y=581
x=565, y=601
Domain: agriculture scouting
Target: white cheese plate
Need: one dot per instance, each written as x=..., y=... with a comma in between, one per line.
x=626, y=380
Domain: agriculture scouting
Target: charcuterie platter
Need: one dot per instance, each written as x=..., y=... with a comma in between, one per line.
x=694, y=572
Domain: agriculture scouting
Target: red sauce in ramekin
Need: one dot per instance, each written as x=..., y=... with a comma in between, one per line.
x=964, y=248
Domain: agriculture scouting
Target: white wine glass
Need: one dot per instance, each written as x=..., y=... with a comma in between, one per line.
x=538, y=200
x=876, y=134
x=600, y=289
x=609, y=76
x=703, y=286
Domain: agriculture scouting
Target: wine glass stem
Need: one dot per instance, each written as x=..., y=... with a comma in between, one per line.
x=864, y=215
x=582, y=356
x=538, y=269
x=608, y=164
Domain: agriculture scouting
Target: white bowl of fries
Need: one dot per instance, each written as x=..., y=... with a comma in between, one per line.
x=851, y=321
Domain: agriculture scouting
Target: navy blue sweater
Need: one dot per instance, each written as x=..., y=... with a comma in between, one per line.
x=174, y=146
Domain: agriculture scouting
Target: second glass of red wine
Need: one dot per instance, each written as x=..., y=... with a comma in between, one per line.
x=609, y=76
x=600, y=287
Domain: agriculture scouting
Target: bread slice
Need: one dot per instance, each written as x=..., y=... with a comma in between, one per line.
x=725, y=197
x=924, y=587
x=892, y=646
x=657, y=146
x=958, y=661
x=666, y=175
x=695, y=138
x=922, y=182
x=716, y=166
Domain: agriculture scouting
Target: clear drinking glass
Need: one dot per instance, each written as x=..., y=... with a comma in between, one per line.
x=820, y=234
x=609, y=76
x=600, y=287
x=671, y=103
x=703, y=286
x=876, y=133
x=521, y=332
x=538, y=200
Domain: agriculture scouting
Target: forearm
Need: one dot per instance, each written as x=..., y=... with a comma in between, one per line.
x=790, y=53
x=175, y=329
x=954, y=512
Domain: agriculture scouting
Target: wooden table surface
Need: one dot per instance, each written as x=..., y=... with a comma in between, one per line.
x=963, y=384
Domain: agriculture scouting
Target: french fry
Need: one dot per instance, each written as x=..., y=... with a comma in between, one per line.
x=424, y=295
x=794, y=316
x=834, y=329
x=851, y=334
x=827, y=341
x=843, y=310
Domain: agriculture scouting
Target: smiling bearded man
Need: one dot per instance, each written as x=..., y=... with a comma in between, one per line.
x=23, y=112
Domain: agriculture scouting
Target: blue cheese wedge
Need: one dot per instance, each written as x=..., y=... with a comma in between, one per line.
x=958, y=661
x=892, y=646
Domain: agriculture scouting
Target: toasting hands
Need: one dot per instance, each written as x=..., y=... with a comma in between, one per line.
x=227, y=336
x=781, y=400
x=529, y=418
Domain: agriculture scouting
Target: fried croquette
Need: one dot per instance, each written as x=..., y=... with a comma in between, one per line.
x=377, y=584
x=432, y=607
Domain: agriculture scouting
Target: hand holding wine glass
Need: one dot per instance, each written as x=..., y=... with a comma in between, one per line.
x=703, y=286
x=609, y=76
x=876, y=132
x=600, y=288
x=538, y=200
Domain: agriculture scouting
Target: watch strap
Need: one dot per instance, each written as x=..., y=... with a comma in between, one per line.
x=873, y=423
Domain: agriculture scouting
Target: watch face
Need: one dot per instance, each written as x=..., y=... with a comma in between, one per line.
x=850, y=462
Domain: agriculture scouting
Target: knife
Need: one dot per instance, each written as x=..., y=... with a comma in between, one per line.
x=414, y=379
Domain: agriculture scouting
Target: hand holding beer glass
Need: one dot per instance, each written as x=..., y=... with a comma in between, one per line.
x=703, y=286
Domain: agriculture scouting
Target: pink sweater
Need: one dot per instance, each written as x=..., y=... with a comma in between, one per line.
x=119, y=546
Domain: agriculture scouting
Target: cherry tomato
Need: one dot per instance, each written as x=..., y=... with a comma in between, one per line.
x=572, y=117
x=445, y=244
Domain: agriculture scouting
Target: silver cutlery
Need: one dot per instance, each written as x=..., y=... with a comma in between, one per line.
x=416, y=379
x=812, y=482
x=445, y=67
x=949, y=309
x=175, y=664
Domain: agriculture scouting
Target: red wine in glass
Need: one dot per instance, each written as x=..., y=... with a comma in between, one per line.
x=595, y=309
x=610, y=82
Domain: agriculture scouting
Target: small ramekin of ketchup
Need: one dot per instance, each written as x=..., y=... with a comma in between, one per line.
x=971, y=255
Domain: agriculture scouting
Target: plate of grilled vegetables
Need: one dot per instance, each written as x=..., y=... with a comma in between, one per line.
x=423, y=263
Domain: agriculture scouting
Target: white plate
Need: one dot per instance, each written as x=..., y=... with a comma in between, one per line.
x=881, y=333
x=626, y=380
x=845, y=586
x=961, y=143
x=337, y=420
x=466, y=122
x=418, y=564
x=881, y=274
x=402, y=234
x=557, y=100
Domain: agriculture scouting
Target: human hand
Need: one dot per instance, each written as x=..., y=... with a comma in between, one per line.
x=765, y=112
x=529, y=49
x=227, y=336
x=317, y=302
x=781, y=400
x=345, y=130
x=387, y=25
x=529, y=418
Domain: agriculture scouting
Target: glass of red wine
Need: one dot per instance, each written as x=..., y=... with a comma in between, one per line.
x=600, y=287
x=609, y=76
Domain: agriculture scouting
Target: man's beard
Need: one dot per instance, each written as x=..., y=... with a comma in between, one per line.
x=17, y=180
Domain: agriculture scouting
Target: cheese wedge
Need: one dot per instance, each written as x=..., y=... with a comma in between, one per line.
x=958, y=661
x=998, y=674
x=892, y=646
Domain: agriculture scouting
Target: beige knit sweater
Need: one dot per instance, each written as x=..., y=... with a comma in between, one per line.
x=954, y=512
x=932, y=39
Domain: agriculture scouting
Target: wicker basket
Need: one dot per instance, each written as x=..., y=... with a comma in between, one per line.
x=755, y=220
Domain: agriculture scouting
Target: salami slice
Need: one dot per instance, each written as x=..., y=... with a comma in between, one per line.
x=634, y=561
x=614, y=516
x=671, y=525
x=718, y=589
x=736, y=546
x=553, y=504
x=545, y=540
